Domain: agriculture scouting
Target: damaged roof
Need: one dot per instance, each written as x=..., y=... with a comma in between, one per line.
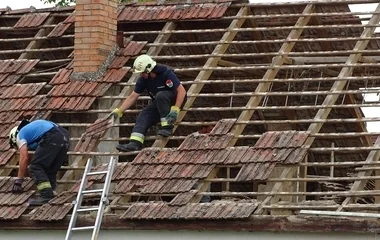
x=261, y=133
x=176, y=174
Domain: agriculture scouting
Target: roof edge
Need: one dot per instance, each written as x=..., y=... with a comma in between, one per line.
x=253, y=224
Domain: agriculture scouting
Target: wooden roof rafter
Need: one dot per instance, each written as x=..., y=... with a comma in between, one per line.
x=205, y=74
x=331, y=99
x=35, y=44
x=263, y=87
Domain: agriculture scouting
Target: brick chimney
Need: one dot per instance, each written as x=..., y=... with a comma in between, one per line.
x=95, y=33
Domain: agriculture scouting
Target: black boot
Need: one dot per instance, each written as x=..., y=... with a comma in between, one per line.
x=130, y=147
x=165, y=131
x=45, y=196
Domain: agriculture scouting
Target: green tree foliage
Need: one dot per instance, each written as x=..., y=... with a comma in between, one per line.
x=68, y=2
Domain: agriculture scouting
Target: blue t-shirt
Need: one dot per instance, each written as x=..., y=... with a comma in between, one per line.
x=165, y=80
x=33, y=131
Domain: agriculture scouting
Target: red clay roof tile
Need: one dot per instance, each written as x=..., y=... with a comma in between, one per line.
x=21, y=90
x=6, y=156
x=64, y=197
x=11, y=199
x=12, y=212
x=61, y=77
x=31, y=20
x=50, y=212
x=183, y=198
x=61, y=27
x=172, y=12
x=225, y=210
x=6, y=184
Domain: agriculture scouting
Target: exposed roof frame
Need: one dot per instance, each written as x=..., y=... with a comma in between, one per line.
x=205, y=73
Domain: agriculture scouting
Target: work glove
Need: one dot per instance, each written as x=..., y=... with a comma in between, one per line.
x=115, y=114
x=173, y=115
x=17, y=188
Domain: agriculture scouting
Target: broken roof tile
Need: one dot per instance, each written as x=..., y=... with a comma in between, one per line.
x=49, y=212
x=61, y=27
x=203, y=172
x=183, y=198
x=115, y=75
x=223, y=126
x=255, y=171
x=64, y=197
x=85, y=103
x=225, y=210
x=117, y=63
x=61, y=77
x=133, y=48
x=296, y=156
x=168, y=186
x=130, y=185
x=299, y=139
x=12, y=212
x=31, y=20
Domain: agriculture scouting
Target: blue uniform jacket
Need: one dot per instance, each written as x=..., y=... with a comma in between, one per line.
x=165, y=80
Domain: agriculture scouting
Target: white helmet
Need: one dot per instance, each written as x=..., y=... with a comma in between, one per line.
x=143, y=63
x=13, y=136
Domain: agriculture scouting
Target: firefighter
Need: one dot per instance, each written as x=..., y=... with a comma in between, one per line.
x=50, y=143
x=167, y=94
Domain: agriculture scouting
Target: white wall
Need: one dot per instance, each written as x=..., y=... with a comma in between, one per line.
x=183, y=235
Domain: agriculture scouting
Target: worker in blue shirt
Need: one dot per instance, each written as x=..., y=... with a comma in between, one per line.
x=50, y=143
x=167, y=93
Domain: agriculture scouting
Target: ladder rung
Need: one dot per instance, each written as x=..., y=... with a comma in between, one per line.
x=92, y=191
x=88, y=209
x=97, y=173
x=83, y=228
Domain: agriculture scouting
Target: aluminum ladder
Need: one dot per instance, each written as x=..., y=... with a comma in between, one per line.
x=102, y=203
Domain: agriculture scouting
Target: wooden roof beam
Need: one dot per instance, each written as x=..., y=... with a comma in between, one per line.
x=338, y=86
x=322, y=33
x=225, y=63
x=344, y=73
x=205, y=74
x=259, y=36
x=349, y=98
x=264, y=87
x=152, y=51
x=373, y=156
x=35, y=44
x=271, y=73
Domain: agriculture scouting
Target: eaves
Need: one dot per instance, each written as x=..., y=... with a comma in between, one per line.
x=253, y=224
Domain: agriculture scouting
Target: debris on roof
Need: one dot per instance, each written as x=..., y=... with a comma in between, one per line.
x=272, y=114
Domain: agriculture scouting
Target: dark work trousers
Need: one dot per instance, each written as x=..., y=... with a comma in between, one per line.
x=49, y=156
x=152, y=114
